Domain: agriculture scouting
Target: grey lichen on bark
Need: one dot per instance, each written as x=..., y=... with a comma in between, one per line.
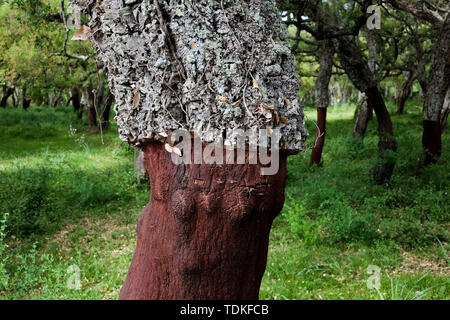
x=208, y=66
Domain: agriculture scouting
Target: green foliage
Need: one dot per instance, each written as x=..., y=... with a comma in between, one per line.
x=81, y=200
x=339, y=204
x=39, y=195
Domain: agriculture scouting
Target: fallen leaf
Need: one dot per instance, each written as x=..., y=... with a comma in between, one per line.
x=287, y=101
x=83, y=33
x=284, y=120
x=271, y=107
x=276, y=116
x=237, y=103
x=210, y=88
x=223, y=99
x=255, y=84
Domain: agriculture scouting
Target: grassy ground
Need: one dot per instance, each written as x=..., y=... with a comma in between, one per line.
x=73, y=204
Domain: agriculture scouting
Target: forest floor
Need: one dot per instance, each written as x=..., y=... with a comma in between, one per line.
x=73, y=204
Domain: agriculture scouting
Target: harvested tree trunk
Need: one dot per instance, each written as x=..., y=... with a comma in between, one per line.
x=322, y=99
x=316, y=155
x=213, y=68
x=405, y=91
x=7, y=92
x=435, y=96
x=193, y=209
x=56, y=99
x=384, y=168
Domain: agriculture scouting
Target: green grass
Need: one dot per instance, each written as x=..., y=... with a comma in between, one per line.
x=74, y=202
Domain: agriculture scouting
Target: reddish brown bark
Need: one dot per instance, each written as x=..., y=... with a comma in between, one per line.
x=205, y=232
x=316, y=156
x=432, y=141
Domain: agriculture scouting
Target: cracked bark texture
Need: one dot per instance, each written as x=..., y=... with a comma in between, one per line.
x=211, y=67
x=438, y=86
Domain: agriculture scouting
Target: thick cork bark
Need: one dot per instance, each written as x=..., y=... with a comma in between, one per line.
x=205, y=232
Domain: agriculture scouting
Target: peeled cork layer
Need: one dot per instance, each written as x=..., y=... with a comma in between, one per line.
x=211, y=67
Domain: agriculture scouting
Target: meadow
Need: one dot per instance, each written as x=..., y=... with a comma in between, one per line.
x=69, y=206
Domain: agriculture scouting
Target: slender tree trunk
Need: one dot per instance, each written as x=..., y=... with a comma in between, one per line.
x=316, y=155
x=25, y=101
x=363, y=78
x=362, y=118
x=340, y=95
x=384, y=168
x=192, y=209
x=76, y=103
x=88, y=101
x=435, y=96
x=405, y=91
x=15, y=99
x=205, y=232
x=56, y=99
x=109, y=100
x=322, y=99
x=7, y=92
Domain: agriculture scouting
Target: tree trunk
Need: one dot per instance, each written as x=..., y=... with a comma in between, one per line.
x=88, y=101
x=384, y=168
x=322, y=99
x=215, y=68
x=56, y=99
x=25, y=101
x=316, y=155
x=362, y=117
x=405, y=91
x=15, y=99
x=204, y=234
x=363, y=78
x=76, y=103
x=7, y=92
x=435, y=96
